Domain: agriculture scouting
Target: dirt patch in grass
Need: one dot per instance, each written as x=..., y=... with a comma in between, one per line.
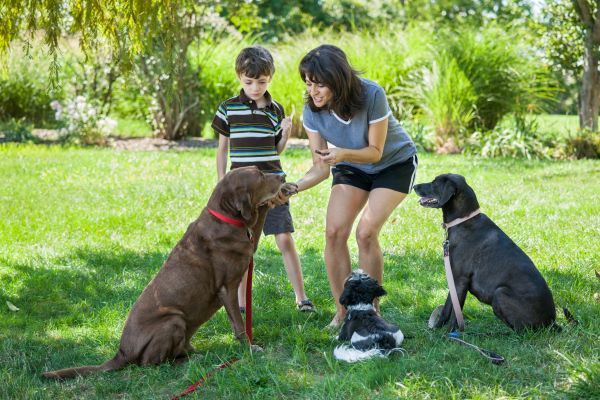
x=50, y=136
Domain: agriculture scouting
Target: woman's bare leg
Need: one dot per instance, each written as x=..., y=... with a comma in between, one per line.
x=379, y=207
x=345, y=202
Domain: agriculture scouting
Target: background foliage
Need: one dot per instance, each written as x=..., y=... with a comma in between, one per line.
x=451, y=68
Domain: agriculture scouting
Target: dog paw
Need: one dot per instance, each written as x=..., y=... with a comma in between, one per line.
x=289, y=189
x=434, y=318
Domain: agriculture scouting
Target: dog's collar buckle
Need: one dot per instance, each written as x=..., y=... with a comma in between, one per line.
x=446, y=245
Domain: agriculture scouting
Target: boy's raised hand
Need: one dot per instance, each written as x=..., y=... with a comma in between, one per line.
x=286, y=125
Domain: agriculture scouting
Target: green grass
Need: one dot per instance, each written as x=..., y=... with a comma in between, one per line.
x=82, y=231
x=558, y=126
x=131, y=127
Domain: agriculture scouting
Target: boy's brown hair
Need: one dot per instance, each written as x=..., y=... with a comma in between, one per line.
x=254, y=62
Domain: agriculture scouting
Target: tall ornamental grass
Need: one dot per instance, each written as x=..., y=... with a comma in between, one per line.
x=445, y=97
x=505, y=73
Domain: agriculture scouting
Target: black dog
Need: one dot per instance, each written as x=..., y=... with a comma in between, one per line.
x=368, y=333
x=486, y=262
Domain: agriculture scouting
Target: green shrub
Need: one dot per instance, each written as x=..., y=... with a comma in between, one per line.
x=15, y=130
x=82, y=122
x=520, y=139
x=506, y=75
x=585, y=144
x=25, y=91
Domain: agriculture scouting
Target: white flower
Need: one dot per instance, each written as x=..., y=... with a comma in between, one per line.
x=55, y=105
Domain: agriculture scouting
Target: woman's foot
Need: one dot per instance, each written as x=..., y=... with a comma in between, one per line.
x=336, y=322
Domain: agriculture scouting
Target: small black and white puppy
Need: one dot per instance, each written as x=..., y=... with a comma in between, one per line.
x=369, y=334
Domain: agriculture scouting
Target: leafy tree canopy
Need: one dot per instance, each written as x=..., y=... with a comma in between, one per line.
x=125, y=25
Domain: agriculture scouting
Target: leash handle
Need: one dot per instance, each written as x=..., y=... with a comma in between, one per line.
x=495, y=358
x=452, y=288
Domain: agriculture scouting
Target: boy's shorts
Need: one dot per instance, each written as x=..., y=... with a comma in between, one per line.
x=399, y=177
x=278, y=220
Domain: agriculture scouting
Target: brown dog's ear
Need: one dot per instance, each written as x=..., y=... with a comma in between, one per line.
x=244, y=204
x=448, y=190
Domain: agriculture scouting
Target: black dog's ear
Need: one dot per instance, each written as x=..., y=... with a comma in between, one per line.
x=448, y=190
x=380, y=291
x=345, y=297
x=348, y=296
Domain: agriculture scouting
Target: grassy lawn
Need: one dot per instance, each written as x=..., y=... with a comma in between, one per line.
x=558, y=126
x=132, y=127
x=82, y=231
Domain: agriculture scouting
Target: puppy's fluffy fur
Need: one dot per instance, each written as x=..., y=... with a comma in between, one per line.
x=369, y=334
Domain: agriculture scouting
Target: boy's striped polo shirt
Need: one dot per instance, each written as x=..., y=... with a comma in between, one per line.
x=253, y=132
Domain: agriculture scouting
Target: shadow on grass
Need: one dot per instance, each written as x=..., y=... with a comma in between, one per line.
x=92, y=291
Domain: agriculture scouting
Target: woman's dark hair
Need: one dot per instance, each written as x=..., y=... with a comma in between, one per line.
x=327, y=65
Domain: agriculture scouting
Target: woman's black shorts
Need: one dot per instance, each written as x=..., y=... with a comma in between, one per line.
x=399, y=177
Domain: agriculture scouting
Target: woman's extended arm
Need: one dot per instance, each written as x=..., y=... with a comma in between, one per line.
x=370, y=154
x=319, y=170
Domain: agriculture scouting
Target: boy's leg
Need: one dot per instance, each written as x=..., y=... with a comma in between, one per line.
x=291, y=261
x=242, y=291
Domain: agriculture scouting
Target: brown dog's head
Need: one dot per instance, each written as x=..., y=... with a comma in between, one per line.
x=450, y=192
x=243, y=190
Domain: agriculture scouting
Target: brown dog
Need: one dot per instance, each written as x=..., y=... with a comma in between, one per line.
x=202, y=274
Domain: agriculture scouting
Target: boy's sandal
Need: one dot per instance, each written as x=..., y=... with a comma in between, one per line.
x=306, y=306
x=243, y=310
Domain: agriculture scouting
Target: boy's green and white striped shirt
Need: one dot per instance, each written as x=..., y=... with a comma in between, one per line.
x=253, y=132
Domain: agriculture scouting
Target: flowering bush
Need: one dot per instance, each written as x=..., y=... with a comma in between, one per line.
x=82, y=122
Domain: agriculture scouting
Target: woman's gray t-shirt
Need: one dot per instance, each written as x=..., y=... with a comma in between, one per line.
x=354, y=134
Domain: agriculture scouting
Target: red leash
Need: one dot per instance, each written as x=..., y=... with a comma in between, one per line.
x=241, y=224
x=203, y=379
x=249, y=301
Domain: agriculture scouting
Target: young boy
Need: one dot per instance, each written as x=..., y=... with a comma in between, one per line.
x=254, y=129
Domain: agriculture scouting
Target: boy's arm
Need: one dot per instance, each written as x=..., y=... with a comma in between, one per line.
x=222, y=151
x=286, y=129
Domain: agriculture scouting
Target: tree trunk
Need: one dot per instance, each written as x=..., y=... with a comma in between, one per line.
x=589, y=93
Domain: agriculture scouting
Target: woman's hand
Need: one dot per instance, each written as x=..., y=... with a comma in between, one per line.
x=331, y=156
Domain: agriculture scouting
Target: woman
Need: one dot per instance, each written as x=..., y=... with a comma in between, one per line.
x=374, y=161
